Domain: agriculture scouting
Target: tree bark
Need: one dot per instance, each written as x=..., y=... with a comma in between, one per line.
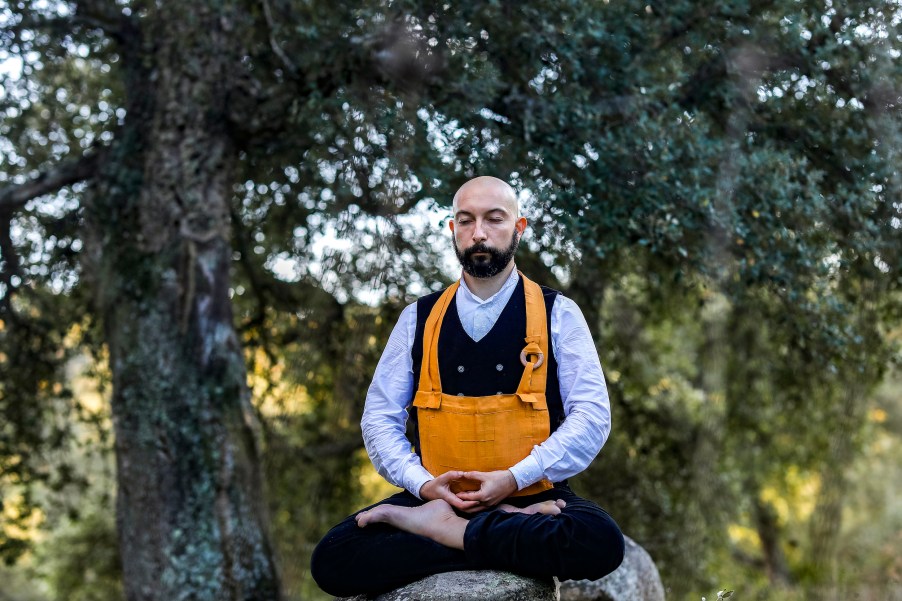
x=826, y=521
x=744, y=378
x=190, y=509
x=769, y=532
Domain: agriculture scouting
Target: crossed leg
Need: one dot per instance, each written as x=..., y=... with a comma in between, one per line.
x=436, y=520
x=403, y=539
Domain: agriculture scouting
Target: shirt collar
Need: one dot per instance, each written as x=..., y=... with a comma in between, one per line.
x=510, y=282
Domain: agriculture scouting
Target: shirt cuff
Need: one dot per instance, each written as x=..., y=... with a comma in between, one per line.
x=527, y=472
x=415, y=478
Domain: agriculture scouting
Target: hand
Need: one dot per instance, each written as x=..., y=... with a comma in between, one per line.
x=494, y=487
x=440, y=488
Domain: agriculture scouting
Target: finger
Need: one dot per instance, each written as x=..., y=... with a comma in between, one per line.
x=465, y=506
x=449, y=476
x=480, y=476
x=472, y=495
x=475, y=508
x=460, y=504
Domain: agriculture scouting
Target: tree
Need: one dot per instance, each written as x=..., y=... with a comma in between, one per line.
x=182, y=142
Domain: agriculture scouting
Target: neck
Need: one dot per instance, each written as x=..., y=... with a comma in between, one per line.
x=486, y=287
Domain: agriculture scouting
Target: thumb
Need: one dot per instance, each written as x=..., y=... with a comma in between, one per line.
x=449, y=476
x=480, y=476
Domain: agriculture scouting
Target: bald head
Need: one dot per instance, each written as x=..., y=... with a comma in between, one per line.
x=487, y=189
x=486, y=229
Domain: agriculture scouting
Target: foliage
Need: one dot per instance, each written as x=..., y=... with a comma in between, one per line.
x=84, y=563
x=715, y=184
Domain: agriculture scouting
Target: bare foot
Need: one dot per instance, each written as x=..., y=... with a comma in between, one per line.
x=435, y=520
x=545, y=507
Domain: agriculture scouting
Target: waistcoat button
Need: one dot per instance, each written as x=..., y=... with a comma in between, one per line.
x=499, y=367
x=460, y=368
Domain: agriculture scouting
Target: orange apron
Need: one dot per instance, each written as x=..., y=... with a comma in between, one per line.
x=485, y=433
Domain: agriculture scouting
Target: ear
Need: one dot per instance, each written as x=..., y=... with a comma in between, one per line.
x=520, y=225
x=451, y=225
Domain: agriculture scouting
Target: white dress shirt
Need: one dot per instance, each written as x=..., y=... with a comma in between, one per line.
x=568, y=451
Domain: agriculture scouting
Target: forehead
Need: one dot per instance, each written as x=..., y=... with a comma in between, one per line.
x=485, y=198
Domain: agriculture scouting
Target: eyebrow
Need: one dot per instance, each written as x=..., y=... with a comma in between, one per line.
x=469, y=214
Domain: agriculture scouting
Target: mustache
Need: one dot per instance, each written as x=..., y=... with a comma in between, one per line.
x=479, y=247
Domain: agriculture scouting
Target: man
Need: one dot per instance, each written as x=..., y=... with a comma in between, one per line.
x=498, y=427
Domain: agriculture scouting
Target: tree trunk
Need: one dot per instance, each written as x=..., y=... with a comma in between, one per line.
x=190, y=510
x=826, y=521
x=745, y=378
x=769, y=532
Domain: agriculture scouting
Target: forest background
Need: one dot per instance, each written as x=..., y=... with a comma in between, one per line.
x=212, y=212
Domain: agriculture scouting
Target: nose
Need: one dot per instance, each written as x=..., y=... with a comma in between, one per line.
x=479, y=234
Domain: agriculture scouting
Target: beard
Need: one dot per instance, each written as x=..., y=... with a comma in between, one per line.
x=485, y=267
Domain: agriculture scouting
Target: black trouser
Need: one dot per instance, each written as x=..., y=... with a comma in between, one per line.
x=581, y=542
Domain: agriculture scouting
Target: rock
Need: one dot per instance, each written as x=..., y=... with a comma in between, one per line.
x=636, y=579
x=480, y=585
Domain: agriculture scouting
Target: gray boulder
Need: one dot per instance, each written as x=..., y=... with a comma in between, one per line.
x=480, y=585
x=636, y=579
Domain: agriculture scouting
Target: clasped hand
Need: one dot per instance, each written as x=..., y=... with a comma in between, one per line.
x=494, y=487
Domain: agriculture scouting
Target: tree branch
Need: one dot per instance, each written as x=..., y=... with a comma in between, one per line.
x=9, y=261
x=103, y=15
x=279, y=52
x=271, y=292
x=66, y=173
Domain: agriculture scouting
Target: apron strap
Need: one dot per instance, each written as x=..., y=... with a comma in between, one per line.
x=533, y=355
x=430, y=378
